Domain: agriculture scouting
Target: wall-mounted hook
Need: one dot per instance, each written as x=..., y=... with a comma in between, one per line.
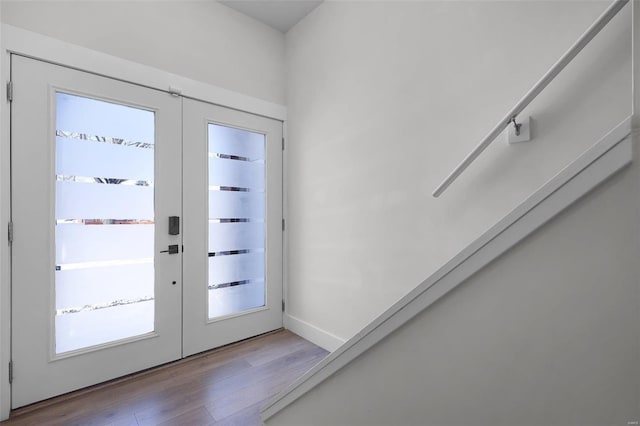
x=516, y=125
x=520, y=132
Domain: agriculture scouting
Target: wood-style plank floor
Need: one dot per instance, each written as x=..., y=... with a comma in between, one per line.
x=226, y=386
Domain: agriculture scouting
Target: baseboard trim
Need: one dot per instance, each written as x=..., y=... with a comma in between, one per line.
x=310, y=332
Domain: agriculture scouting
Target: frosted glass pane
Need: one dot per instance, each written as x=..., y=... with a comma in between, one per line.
x=77, y=242
x=228, y=204
x=94, y=117
x=235, y=236
x=96, y=286
x=89, y=328
x=229, y=300
x=230, y=141
x=104, y=283
x=239, y=267
x=96, y=159
x=84, y=200
x=242, y=174
x=236, y=191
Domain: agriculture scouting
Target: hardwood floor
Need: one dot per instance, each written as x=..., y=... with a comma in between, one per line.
x=226, y=386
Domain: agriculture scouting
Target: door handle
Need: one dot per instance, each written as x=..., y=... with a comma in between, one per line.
x=172, y=249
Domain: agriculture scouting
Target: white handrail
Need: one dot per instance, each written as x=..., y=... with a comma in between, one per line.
x=573, y=51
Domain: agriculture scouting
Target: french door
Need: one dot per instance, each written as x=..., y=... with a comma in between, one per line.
x=140, y=236
x=233, y=225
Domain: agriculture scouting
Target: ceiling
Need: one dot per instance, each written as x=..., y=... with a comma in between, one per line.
x=278, y=14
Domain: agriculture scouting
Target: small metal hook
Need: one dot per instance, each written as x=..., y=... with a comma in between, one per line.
x=516, y=125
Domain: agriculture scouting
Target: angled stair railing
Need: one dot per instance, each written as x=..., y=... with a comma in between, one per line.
x=537, y=88
x=609, y=155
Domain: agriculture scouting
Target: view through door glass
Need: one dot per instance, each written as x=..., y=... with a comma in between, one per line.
x=236, y=220
x=104, y=224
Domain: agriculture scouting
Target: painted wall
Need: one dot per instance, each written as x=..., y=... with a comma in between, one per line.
x=205, y=41
x=385, y=98
x=546, y=335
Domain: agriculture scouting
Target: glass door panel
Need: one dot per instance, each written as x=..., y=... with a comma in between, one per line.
x=104, y=238
x=236, y=197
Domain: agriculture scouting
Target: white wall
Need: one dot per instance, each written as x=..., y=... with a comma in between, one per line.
x=385, y=98
x=205, y=41
x=546, y=335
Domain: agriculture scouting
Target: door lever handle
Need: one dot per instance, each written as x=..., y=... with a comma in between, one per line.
x=172, y=249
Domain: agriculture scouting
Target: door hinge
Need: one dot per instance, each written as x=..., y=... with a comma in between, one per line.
x=10, y=91
x=283, y=144
x=282, y=305
x=10, y=371
x=283, y=225
x=10, y=232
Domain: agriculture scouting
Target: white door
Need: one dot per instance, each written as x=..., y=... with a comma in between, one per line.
x=102, y=283
x=233, y=225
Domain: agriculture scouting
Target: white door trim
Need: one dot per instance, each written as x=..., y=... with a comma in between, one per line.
x=37, y=46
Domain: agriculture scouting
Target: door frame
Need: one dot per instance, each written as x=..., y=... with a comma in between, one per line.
x=44, y=48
